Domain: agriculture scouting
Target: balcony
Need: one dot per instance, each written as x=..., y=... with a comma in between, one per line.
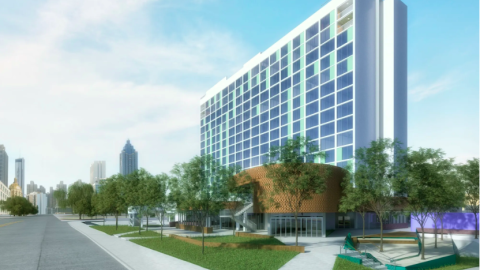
x=344, y=9
x=344, y=23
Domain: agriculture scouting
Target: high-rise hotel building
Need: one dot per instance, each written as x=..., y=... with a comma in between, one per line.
x=340, y=78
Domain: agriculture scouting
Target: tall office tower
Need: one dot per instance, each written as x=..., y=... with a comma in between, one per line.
x=128, y=159
x=32, y=187
x=20, y=173
x=41, y=189
x=61, y=185
x=339, y=78
x=3, y=165
x=97, y=171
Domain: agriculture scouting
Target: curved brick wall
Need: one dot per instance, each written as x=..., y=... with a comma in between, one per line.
x=327, y=202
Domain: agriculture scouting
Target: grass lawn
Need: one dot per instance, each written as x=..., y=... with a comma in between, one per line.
x=462, y=263
x=243, y=240
x=110, y=229
x=144, y=234
x=342, y=264
x=219, y=258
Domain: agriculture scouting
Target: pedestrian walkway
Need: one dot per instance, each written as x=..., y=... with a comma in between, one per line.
x=131, y=255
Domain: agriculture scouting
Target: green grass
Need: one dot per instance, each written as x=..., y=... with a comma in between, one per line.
x=243, y=240
x=144, y=234
x=110, y=229
x=342, y=264
x=219, y=258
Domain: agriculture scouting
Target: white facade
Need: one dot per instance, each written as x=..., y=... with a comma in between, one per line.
x=4, y=194
x=41, y=201
x=97, y=171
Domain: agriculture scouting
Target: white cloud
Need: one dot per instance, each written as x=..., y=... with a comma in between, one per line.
x=91, y=75
x=419, y=91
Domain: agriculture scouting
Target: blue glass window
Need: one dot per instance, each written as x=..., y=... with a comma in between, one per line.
x=274, y=79
x=274, y=134
x=238, y=147
x=311, y=44
x=246, y=163
x=296, y=78
x=246, y=106
x=284, y=73
x=238, y=128
x=231, y=158
x=274, y=112
x=264, y=117
x=264, y=127
x=329, y=156
x=255, y=151
x=238, y=137
x=284, y=131
x=342, y=67
x=264, y=148
x=273, y=58
x=255, y=161
x=246, y=144
x=325, y=35
x=274, y=68
x=312, y=133
x=311, y=108
x=284, y=50
x=311, y=57
x=345, y=80
x=296, y=54
x=345, y=124
x=224, y=152
x=287, y=83
x=238, y=156
x=327, y=143
x=231, y=149
x=254, y=71
x=255, y=101
x=345, y=109
x=344, y=52
x=311, y=31
x=342, y=39
x=347, y=152
x=325, y=76
x=296, y=102
x=264, y=138
x=296, y=126
x=246, y=134
x=284, y=96
x=263, y=96
x=231, y=140
x=325, y=22
x=255, y=141
x=274, y=90
x=284, y=107
x=254, y=91
x=296, y=42
x=284, y=62
x=254, y=121
x=327, y=129
x=310, y=71
x=238, y=119
x=311, y=121
x=327, y=88
x=274, y=123
x=345, y=138
x=296, y=66
x=264, y=64
x=255, y=131
x=296, y=90
x=327, y=116
x=264, y=106
x=327, y=47
x=296, y=114
x=246, y=125
x=284, y=119
x=327, y=102
x=246, y=154
x=345, y=95
x=311, y=83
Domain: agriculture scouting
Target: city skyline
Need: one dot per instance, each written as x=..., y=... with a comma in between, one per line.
x=161, y=83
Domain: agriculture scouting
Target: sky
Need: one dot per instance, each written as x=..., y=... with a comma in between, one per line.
x=80, y=77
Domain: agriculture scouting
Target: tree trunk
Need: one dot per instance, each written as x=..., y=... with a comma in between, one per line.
x=381, y=235
x=139, y=222
x=147, y=221
x=234, y=225
x=434, y=219
x=423, y=243
x=441, y=224
x=116, y=220
x=363, y=218
x=296, y=229
x=476, y=225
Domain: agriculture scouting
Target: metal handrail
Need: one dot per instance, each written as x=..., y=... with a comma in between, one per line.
x=345, y=12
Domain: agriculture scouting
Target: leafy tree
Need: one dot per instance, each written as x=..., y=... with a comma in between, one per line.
x=452, y=197
x=201, y=183
x=60, y=196
x=18, y=206
x=80, y=198
x=470, y=177
x=353, y=199
x=380, y=172
x=294, y=179
x=112, y=195
x=239, y=192
x=151, y=194
x=162, y=204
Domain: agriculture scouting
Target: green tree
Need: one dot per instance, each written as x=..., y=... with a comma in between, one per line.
x=18, y=206
x=151, y=194
x=294, y=179
x=162, y=202
x=469, y=175
x=453, y=196
x=112, y=196
x=80, y=198
x=353, y=199
x=201, y=182
x=60, y=196
x=380, y=172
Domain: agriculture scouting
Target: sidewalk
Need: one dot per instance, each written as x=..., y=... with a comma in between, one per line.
x=131, y=255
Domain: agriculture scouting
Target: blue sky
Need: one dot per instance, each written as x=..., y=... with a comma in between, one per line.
x=78, y=78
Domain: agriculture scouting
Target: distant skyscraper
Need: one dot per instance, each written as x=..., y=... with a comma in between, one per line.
x=20, y=172
x=128, y=159
x=3, y=165
x=41, y=189
x=97, y=171
x=61, y=186
x=32, y=187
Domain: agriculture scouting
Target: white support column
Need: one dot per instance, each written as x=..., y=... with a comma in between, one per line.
x=244, y=220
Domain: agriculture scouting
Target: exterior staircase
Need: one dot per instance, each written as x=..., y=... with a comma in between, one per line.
x=368, y=261
x=248, y=224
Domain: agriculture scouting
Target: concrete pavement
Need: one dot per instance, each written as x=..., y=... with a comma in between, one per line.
x=44, y=242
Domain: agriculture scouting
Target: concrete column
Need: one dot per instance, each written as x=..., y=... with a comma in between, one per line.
x=244, y=220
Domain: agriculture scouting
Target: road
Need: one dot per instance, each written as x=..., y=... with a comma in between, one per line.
x=44, y=242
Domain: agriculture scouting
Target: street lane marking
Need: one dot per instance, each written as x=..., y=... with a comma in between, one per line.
x=6, y=224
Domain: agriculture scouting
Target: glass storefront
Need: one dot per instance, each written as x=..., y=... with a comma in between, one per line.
x=307, y=226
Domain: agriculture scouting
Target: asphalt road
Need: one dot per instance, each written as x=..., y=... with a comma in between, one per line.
x=44, y=242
